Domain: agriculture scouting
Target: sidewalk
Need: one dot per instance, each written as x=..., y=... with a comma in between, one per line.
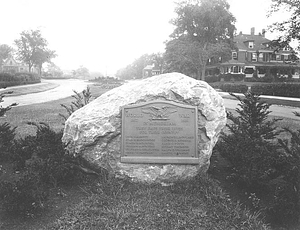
x=263, y=96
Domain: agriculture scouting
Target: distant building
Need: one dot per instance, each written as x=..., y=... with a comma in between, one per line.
x=10, y=65
x=254, y=54
x=151, y=70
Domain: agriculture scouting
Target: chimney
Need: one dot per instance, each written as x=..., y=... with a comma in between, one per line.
x=252, y=30
x=263, y=32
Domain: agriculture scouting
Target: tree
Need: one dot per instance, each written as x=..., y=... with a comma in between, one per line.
x=135, y=69
x=5, y=52
x=81, y=72
x=32, y=49
x=53, y=71
x=204, y=30
x=289, y=29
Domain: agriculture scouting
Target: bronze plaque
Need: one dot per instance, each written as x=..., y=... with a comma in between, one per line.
x=159, y=132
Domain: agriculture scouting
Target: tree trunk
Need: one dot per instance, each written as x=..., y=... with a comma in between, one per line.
x=198, y=74
x=203, y=73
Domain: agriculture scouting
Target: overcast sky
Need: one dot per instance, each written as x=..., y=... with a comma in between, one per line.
x=106, y=35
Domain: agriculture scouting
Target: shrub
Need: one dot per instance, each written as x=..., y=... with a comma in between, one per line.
x=249, y=145
x=80, y=101
x=259, y=161
x=233, y=88
x=232, y=77
x=278, y=89
x=210, y=79
x=45, y=153
x=7, y=136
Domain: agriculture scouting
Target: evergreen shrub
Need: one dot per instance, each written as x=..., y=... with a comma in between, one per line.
x=262, y=165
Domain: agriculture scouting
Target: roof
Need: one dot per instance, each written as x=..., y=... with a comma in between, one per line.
x=259, y=42
x=149, y=67
x=232, y=62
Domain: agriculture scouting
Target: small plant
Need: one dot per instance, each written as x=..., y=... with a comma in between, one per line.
x=267, y=167
x=45, y=153
x=7, y=133
x=80, y=101
x=250, y=146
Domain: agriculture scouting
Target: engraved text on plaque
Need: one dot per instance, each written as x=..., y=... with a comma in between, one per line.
x=159, y=132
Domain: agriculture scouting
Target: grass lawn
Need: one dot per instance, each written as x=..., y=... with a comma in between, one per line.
x=106, y=203
x=33, y=88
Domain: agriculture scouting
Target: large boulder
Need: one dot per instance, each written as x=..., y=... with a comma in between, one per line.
x=94, y=131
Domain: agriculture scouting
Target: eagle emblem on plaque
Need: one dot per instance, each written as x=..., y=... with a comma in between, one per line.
x=159, y=113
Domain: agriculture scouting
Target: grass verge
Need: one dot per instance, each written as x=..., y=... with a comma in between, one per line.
x=34, y=88
x=196, y=204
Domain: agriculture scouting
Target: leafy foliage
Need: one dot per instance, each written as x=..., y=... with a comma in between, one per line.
x=260, y=163
x=80, y=101
x=289, y=29
x=32, y=49
x=135, y=69
x=5, y=52
x=7, y=136
x=204, y=29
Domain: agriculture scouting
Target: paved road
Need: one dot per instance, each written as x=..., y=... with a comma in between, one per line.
x=67, y=86
x=65, y=89
x=277, y=110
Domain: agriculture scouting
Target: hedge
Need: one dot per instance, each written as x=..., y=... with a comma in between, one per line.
x=278, y=89
x=232, y=77
x=233, y=88
x=8, y=79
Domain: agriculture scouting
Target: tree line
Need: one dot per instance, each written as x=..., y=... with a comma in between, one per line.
x=204, y=31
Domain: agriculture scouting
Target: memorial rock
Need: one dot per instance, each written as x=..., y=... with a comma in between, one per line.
x=156, y=130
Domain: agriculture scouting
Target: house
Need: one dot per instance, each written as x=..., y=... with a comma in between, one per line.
x=10, y=65
x=151, y=70
x=254, y=55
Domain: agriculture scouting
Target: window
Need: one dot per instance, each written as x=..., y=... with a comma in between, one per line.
x=234, y=55
x=254, y=57
x=251, y=45
x=278, y=57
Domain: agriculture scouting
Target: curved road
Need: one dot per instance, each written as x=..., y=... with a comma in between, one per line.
x=66, y=87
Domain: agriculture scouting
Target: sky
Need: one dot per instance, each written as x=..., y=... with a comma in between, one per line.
x=106, y=35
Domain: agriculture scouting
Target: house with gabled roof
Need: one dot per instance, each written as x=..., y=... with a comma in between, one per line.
x=151, y=70
x=10, y=65
x=253, y=54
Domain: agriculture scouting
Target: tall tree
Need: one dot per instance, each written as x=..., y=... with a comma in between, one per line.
x=5, y=52
x=81, y=72
x=289, y=29
x=135, y=69
x=32, y=49
x=203, y=30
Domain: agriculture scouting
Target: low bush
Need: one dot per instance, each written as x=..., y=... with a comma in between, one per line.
x=42, y=164
x=261, y=164
x=278, y=89
x=233, y=88
x=232, y=77
x=7, y=137
x=80, y=101
x=45, y=153
x=210, y=79
x=8, y=79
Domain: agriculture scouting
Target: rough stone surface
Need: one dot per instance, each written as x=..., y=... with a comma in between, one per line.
x=94, y=131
